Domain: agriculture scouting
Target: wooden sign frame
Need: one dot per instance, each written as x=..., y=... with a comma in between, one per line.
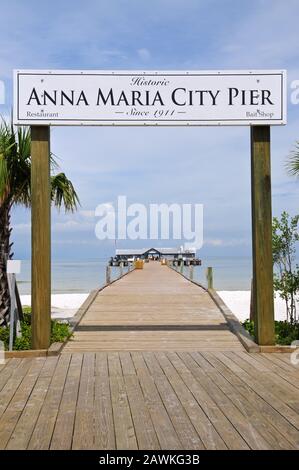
x=262, y=294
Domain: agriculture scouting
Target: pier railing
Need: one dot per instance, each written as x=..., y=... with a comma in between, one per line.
x=116, y=272
x=188, y=272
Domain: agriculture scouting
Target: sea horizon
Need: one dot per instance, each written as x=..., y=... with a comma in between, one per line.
x=82, y=276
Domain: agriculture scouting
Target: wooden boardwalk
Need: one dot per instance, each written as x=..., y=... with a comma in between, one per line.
x=154, y=309
x=153, y=366
x=150, y=400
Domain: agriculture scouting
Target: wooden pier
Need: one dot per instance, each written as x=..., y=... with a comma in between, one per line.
x=153, y=309
x=153, y=366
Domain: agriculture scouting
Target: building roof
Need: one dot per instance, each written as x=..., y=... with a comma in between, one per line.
x=142, y=251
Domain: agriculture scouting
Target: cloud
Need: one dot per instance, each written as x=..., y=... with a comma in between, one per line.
x=87, y=213
x=183, y=165
x=75, y=242
x=144, y=54
x=72, y=225
x=213, y=242
x=22, y=228
x=227, y=243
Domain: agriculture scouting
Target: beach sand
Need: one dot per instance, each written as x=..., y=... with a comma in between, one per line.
x=66, y=305
x=62, y=305
x=239, y=303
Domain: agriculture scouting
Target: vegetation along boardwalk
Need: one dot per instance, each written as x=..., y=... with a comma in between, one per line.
x=153, y=366
x=154, y=309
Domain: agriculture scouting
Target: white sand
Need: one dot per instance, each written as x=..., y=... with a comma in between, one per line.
x=63, y=305
x=66, y=305
x=239, y=303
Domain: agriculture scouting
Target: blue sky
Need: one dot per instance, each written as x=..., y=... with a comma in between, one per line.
x=185, y=165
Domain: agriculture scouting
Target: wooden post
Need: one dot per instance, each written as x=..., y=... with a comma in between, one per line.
x=251, y=314
x=210, y=277
x=262, y=296
x=108, y=274
x=41, y=237
x=191, y=272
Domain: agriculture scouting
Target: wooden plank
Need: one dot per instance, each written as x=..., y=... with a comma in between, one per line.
x=124, y=428
x=205, y=373
x=166, y=434
x=127, y=363
x=262, y=427
x=21, y=435
x=205, y=429
x=264, y=391
x=2, y=365
x=63, y=430
x=9, y=366
x=49, y=366
x=83, y=436
x=123, y=424
x=40, y=236
x=42, y=434
x=114, y=365
x=18, y=402
x=282, y=363
x=262, y=235
x=221, y=423
x=179, y=418
x=13, y=383
x=103, y=413
x=256, y=427
x=280, y=388
x=274, y=374
x=266, y=411
x=145, y=433
x=285, y=358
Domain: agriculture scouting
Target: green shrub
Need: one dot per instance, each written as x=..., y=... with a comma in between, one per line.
x=27, y=315
x=285, y=332
x=4, y=336
x=60, y=332
x=24, y=341
x=249, y=326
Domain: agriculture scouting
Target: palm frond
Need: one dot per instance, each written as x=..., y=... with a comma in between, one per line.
x=63, y=193
x=15, y=171
x=292, y=164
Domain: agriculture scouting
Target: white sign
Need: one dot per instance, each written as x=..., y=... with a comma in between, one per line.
x=149, y=98
x=13, y=266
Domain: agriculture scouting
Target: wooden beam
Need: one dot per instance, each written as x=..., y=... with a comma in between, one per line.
x=209, y=274
x=41, y=237
x=262, y=235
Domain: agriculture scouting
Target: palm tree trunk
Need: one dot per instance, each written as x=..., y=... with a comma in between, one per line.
x=5, y=254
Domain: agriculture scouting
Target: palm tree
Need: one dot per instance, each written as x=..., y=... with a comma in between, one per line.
x=293, y=161
x=15, y=189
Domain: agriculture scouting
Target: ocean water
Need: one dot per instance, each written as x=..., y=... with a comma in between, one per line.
x=230, y=273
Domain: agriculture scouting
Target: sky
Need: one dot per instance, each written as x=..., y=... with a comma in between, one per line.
x=210, y=166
